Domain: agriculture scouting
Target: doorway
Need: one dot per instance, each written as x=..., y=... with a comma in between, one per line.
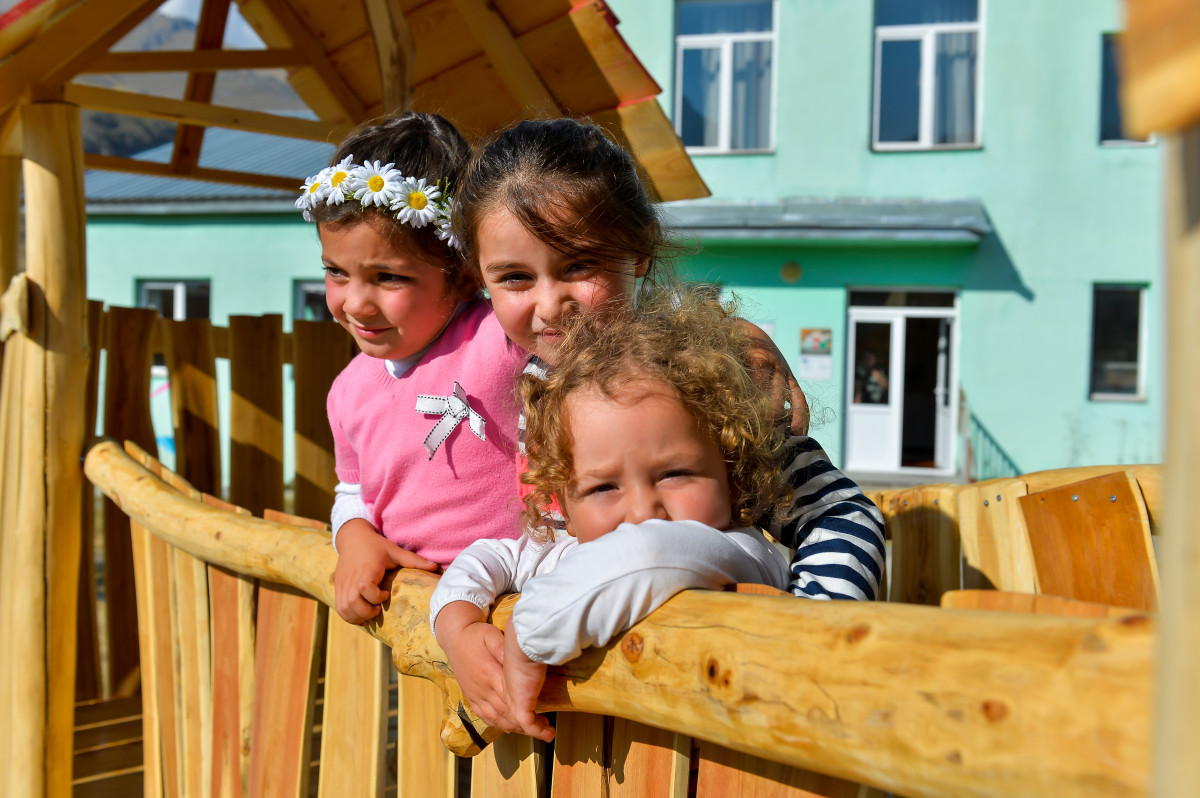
x=902, y=382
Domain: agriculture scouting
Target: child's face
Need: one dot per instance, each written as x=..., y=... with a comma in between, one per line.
x=534, y=287
x=641, y=455
x=391, y=300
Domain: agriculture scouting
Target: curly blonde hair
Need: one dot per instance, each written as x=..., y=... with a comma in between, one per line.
x=687, y=340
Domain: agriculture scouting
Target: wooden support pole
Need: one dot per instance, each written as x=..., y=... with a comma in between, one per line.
x=55, y=401
x=395, y=51
x=10, y=222
x=1177, y=769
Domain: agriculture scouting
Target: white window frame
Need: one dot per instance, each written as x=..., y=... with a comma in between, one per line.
x=298, y=291
x=724, y=42
x=179, y=295
x=1140, y=396
x=927, y=34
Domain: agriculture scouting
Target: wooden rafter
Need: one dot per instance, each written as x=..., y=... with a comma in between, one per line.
x=10, y=132
x=506, y=56
x=111, y=164
x=395, y=50
x=195, y=113
x=350, y=106
x=73, y=34
x=195, y=61
x=210, y=35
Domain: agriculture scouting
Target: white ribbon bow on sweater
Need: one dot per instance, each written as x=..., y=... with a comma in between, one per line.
x=453, y=409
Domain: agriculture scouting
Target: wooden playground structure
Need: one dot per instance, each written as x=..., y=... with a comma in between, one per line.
x=217, y=625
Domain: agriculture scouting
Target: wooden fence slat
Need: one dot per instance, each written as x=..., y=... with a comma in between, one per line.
x=995, y=543
x=1005, y=601
x=256, y=412
x=321, y=349
x=925, y=544
x=424, y=768
x=724, y=772
x=189, y=604
x=514, y=766
x=1091, y=541
x=354, y=724
x=192, y=365
x=648, y=761
x=88, y=676
x=126, y=417
x=152, y=752
x=580, y=756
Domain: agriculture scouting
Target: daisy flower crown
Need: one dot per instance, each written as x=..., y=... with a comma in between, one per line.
x=413, y=201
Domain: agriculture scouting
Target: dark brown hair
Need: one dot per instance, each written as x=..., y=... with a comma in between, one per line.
x=420, y=145
x=570, y=186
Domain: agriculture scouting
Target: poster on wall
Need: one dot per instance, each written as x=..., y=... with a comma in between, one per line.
x=816, y=353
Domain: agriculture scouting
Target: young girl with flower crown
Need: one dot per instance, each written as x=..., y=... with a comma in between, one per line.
x=556, y=221
x=660, y=448
x=423, y=418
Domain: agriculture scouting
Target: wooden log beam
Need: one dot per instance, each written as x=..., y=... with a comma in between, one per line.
x=210, y=34
x=112, y=164
x=507, y=57
x=917, y=700
x=54, y=202
x=395, y=51
x=1176, y=767
x=194, y=61
x=194, y=113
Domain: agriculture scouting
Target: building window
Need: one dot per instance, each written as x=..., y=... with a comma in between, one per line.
x=1118, y=342
x=175, y=300
x=725, y=72
x=928, y=74
x=1111, y=128
x=309, y=304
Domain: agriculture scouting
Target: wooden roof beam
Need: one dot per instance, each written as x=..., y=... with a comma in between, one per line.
x=195, y=61
x=506, y=55
x=349, y=105
x=196, y=113
x=82, y=31
x=210, y=34
x=395, y=50
x=111, y=164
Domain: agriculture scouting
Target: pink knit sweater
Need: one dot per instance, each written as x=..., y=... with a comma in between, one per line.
x=434, y=507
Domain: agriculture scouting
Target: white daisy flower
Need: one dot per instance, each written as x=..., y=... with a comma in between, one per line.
x=337, y=185
x=449, y=224
x=416, y=203
x=376, y=185
x=313, y=190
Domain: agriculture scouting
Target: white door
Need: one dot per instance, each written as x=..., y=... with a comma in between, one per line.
x=876, y=390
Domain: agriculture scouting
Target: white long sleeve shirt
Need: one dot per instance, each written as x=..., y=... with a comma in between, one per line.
x=574, y=596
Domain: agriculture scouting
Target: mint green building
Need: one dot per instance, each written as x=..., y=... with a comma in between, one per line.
x=928, y=203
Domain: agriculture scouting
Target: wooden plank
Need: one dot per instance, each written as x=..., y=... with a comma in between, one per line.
x=88, y=676
x=1160, y=58
x=1091, y=541
x=110, y=163
x=354, y=724
x=995, y=543
x=290, y=631
x=126, y=417
x=1005, y=601
x=648, y=761
x=724, y=772
x=319, y=352
x=130, y=783
x=507, y=57
x=643, y=129
x=193, y=669
x=114, y=29
x=55, y=261
x=424, y=768
x=23, y=21
x=105, y=711
x=395, y=52
x=581, y=755
x=514, y=766
x=195, y=113
x=256, y=412
x=80, y=26
x=1176, y=766
x=925, y=544
x=210, y=33
x=194, y=61
x=97, y=765
x=108, y=735
x=192, y=366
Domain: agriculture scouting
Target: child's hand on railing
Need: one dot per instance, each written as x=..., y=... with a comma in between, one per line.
x=475, y=650
x=364, y=556
x=523, y=679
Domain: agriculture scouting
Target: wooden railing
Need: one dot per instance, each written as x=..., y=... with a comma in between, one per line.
x=915, y=700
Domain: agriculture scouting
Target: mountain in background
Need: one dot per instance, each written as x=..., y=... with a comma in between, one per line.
x=120, y=135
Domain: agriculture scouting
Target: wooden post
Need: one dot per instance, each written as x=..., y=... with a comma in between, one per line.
x=396, y=52
x=47, y=524
x=1176, y=768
